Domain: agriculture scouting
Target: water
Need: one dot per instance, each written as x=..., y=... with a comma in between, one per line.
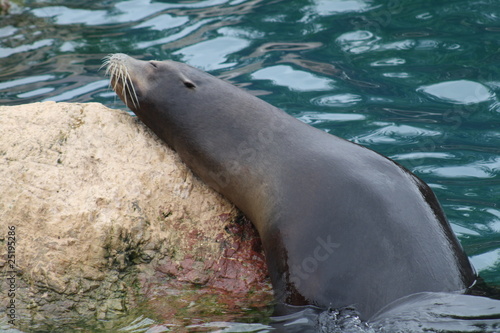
x=414, y=80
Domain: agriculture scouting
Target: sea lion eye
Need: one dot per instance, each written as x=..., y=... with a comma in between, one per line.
x=189, y=84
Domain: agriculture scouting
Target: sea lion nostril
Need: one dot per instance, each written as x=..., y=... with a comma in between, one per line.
x=153, y=64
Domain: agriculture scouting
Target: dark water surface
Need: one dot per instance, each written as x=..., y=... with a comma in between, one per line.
x=414, y=80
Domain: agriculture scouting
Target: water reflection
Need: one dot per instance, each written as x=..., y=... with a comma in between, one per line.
x=478, y=169
x=389, y=62
x=395, y=133
x=461, y=92
x=121, y=12
x=317, y=118
x=358, y=41
x=7, y=31
x=72, y=94
x=36, y=92
x=26, y=80
x=212, y=54
x=338, y=100
x=8, y=51
x=486, y=260
x=422, y=155
x=296, y=80
x=327, y=7
x=228, y=327
x=186, y=31
x=163, y=22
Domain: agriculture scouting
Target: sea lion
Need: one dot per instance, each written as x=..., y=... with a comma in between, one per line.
x=341, y=225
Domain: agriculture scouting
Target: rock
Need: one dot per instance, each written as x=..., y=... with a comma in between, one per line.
x=105, y=214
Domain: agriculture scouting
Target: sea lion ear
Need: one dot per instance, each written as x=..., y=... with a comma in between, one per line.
x=189, y=84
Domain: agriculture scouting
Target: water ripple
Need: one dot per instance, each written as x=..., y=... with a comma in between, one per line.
x=212, y=54
x=317, y=118
x=7, y=31
x=460, y=92
x=338, y=100
x=389, y=62
x=73, y=93
x=395, y=133
x=486, y=260
x=8, y=51
x=297, y=80
x=185, y=32
x=26, y=80
x=163, y=22
x=123, y=12
x=477, y=169
x=328, y=8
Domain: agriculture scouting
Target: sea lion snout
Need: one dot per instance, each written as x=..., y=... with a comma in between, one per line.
x=121, y=69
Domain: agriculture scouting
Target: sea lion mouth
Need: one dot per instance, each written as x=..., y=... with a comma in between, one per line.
x=120, y=79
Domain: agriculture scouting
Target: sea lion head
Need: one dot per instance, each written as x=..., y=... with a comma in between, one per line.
x=140, y=82
x=183, y=104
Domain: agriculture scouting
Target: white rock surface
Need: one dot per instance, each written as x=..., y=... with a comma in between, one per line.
x=100, y=204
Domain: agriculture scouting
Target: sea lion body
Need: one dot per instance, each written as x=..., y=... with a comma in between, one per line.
x=340, y=224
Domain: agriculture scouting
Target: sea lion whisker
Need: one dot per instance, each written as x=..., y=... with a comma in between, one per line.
x=115, y=76
x=119, y=75
x=110, y=71
x=130, y=88
x=122, y=79
x=105, y=62
x=135, y=98
x=125, y=87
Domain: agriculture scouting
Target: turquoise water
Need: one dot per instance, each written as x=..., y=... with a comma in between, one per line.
x=414, y=80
